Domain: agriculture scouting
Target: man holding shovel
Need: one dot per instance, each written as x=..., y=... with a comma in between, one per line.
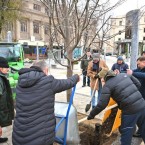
x=124, y=89
x=94, y=68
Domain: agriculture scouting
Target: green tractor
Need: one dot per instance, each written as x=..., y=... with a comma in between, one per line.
x=14, y=53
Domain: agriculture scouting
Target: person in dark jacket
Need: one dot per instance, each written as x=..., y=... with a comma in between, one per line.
x=123, y=89
x=35, y=122
x=84, y=66
x=6, y=100
x=139, y=73
x=120, y=66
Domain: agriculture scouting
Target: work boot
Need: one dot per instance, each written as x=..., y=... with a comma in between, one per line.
x=3, y=139
x=137, y=134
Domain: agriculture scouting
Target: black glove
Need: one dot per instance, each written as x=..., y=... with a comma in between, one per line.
x=90, y=117
x=96, y=76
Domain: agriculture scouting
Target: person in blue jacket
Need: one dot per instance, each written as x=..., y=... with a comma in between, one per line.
x=139, y=73
x=120, y=66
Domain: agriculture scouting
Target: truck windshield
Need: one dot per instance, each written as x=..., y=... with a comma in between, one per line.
x=10, y=51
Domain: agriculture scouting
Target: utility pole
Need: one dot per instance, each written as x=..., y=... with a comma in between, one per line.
x=135, y=38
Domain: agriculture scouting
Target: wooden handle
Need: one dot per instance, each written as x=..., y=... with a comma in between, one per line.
x=82, y=120
x=111, y=107
x=108, y=108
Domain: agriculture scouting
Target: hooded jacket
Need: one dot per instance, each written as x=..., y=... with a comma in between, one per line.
x=34, y=123
x=124, y=91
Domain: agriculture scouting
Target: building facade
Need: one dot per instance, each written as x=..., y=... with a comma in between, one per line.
x=33, y=28
x=120, y=31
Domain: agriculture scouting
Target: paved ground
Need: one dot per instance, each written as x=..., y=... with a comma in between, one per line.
x=82, y=95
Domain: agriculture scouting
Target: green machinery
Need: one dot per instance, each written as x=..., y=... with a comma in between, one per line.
x=14, y=53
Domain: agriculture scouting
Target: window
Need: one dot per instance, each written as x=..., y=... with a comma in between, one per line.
x=119, y=32
x=46, y=11
x=144, y=30
x=119, y=39
x=120, y=23
x=143, y=38
x=46, y=29
x=37, y=7
x=36, y=27
x=23, y=26
x=10, y=51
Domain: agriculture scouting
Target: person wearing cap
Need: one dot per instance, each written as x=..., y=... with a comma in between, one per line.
x=124, y=89
x=94, y=68
x=6, y=100
x=120, y=66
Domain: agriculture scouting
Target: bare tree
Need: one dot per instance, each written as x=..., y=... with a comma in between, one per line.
x=77, y=20
x=9, y=12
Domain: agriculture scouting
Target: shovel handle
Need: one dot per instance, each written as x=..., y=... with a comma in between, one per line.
x=108, y=108
x=111, y=107
x=82, y=120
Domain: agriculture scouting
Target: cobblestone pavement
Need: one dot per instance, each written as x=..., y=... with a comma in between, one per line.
x=81, y=98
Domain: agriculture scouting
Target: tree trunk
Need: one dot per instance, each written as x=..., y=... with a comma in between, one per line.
x=67, y=45
x=50, y=46
x=69, y=74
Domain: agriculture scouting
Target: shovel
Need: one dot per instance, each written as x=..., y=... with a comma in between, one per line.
x=88, y=106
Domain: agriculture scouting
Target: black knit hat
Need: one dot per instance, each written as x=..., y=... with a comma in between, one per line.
x=3, y=63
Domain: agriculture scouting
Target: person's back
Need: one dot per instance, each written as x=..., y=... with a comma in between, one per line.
x=34, y=123
x=125, y=92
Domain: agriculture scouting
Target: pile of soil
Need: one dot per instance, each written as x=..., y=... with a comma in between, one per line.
x=92, y=133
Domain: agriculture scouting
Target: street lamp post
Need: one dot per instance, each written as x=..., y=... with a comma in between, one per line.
x=37, y=50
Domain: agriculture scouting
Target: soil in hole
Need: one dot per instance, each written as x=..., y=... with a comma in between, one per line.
x=91, y=133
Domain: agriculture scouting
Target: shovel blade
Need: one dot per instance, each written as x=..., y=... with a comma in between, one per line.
x=88, y=106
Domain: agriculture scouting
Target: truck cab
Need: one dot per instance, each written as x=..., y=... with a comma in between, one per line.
x=13, y=52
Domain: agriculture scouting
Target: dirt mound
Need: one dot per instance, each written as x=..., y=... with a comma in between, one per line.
x=92, y=133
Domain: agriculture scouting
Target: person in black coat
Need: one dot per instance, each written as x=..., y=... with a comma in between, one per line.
x=123, y=89
x=35, y=122
x=6, y=99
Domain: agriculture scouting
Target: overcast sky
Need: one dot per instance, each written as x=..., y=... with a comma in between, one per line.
x=127, y=6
